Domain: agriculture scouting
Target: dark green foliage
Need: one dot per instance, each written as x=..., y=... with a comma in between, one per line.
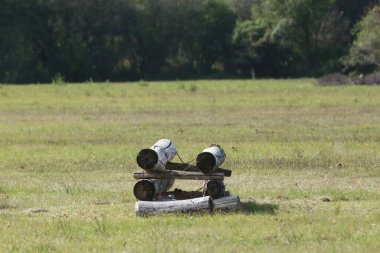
x=112, y=39
x=364, y=56
x=79, y=40
x=181, y=39
x=353, y=10
x=294, y=37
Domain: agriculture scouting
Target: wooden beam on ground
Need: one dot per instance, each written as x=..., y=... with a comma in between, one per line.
x=179, y=175
x=203, y=204
x=228, y=203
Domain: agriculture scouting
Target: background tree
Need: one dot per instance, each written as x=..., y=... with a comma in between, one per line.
x=243, y=8
x=169, y=39
x=293, y=37
x=183, y=38
x=19, y=47
x=354, y=10
x=364, y=56
x=91, y=39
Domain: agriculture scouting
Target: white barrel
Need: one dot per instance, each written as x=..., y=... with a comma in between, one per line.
x=156, y=157
x=211, y=158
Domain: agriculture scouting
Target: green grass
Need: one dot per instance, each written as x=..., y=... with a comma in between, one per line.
x=67, y=154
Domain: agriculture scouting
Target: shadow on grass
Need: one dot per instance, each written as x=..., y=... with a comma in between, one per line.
x=257, y=208
x=249, y=207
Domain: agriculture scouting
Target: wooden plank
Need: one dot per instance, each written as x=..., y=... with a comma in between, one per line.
x=194, y=168
x=226, y=172
x=178, y=175
x=203, y=204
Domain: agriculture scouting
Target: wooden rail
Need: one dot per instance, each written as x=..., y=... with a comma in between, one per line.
x=194, y=168
x=178, y=175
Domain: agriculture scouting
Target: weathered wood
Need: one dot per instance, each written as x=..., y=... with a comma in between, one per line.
x=190, y=167
x=210, y=159
x=156, y=157
x=228, y=203
x=178, y=175
x=149, y=189
x=203, y=204
x=147, y=159
x=214, y=188
x=144, y=190
x=181, y=166
x=180, y=194
x=226, y=172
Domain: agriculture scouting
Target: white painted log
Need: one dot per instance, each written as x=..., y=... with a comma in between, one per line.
x=211, y=158
x=203, y=204
x=156, y=157
x=149, y=189
x=214, y=188
x=228, y=203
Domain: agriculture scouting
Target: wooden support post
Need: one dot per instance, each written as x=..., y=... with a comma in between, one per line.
x=214, y=188
x=228, y=203
x=149, y=189
x=203, y=204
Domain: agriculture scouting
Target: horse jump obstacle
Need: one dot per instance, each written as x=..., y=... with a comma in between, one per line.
x=159, y=174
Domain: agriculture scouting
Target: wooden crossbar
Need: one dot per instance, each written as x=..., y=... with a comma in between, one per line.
x=178, y=175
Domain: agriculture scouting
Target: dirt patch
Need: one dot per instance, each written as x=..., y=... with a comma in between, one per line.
x=340, y=79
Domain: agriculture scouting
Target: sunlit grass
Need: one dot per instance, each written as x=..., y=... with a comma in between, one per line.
x=305, y=161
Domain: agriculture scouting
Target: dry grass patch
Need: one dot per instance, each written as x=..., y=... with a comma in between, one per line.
x=305, y=163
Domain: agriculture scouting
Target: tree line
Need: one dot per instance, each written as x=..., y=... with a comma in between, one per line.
x=120, y=40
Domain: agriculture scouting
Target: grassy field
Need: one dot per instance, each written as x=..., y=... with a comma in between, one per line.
x=305, y=161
